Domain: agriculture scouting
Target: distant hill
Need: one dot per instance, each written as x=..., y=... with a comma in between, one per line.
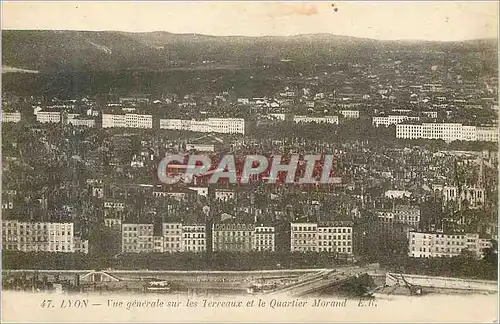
x=103, y=51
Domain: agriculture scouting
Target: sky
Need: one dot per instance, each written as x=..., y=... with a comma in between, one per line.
x=389, y=20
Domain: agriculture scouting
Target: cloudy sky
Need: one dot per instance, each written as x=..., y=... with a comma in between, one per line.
x=424, y=20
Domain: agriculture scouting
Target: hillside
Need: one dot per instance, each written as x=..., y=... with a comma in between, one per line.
x=47, y=51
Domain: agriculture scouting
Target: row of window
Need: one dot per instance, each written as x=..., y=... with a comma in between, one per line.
x=325, y=249
x=320, y=229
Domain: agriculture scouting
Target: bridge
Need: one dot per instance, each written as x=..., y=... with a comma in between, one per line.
x=313, y=283
x=98, y=276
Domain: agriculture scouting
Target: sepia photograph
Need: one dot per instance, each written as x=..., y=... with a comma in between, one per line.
x=249, y=161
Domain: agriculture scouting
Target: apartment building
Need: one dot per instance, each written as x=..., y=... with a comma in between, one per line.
x=448, y=132
x=487, y=134
x=117, y=205
x=392, y=120
x=81, y=122
x=232, y=237
x=409, y=215
x=41, y=236
x=137, y=238
x=430, y=245
x=48, y=116
x=354, y=114
x=172, y=237
x=322, y=237
x=113, y=223
x=209, y=125
x=318, y=120
x=303, y=237
x=264, y=238
x=127, y=121
x=11, y=117
x=193, y=238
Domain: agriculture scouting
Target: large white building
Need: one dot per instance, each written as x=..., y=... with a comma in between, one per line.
x=81, y=122
x=11, y=117
x=127, y=121
x=48, y=116
x=323, y=237
x=392, y=120
x=430, y=245
x=350, y=113
x=41, y=236
x=448, y=132
x=318, y=120
x=209, y=125
x=263, y=238
x=175, y=237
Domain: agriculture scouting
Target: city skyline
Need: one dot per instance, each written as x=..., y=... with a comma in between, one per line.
x=427, y=21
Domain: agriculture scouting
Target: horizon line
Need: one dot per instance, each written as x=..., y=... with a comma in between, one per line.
x=257, y=36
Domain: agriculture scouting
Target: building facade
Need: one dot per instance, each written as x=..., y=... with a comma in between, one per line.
x=48, y=116
x=11, y=117
x=137, y=238
x=264, y=238
x=354, y=114
x=430, y=245
x=127, y=121
x=318, y=120
x=193, y=238
x=172, y=237
x=41, y=236
x=447, y=132
x=232, y=237
x=323, y=237
x=391, y=120
x=209, y=125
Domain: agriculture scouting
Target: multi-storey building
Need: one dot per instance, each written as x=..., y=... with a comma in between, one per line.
x=48, y=116
x=224, y=195
x=350, y=113
x=319, y=120
x=335, y=237
x=11, y=117
x=114, y=205
x=392, y=120
x=41, y=236
x=323, y=237
x=409, y=215
x=232, y=237
x=303, y=237
x=193, y=238
x=430, y=245
x=209, y=125
x=113, y=223
x=264, y=238
x=487, y=134
x=81, y=246
x=172, y=237
x=137, y=238
x=448, y=132
x=81, y=122
x=474, y=197
x=127, y=121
